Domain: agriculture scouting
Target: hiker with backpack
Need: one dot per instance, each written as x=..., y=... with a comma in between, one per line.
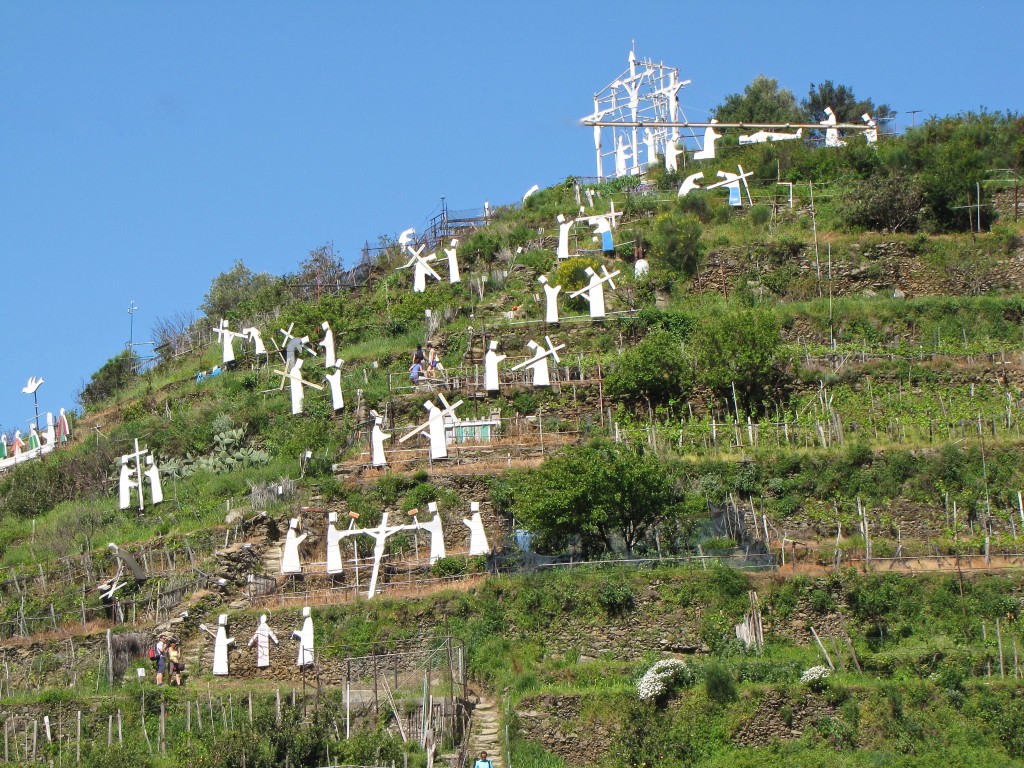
x=158, y=653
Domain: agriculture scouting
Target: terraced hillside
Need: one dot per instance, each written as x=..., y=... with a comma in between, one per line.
x=821, y=394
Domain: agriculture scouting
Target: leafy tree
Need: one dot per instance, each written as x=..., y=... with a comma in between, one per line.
x=112, y=376
x=891, y=203
x=323, y=267
x=654, y=371
x=762, y=101
x=233, y=288
x=572, y=275
x=847, y=108
x=738, y=350
x=676, y=242
x=593, y=493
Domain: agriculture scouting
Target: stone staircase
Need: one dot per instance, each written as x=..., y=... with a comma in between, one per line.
x=485, y=734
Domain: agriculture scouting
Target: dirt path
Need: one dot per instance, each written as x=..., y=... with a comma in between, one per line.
x=485, y=732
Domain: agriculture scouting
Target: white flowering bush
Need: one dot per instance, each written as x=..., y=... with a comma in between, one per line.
x=662, y=677
x=816, y=676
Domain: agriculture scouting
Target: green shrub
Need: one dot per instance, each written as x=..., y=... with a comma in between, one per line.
x=719, y=683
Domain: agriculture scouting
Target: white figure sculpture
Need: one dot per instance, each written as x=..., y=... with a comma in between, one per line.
x=707, y=150
x=124, y=485
x=33, y=439
x=672, y=151
x=296, y=382
x=871, y=134
x=530, y=191
x=831, y=132
x=334, y=382
x=564, y=227
x=551, y=300
x=621, y=156
x=761, y=137
x=690, y=183
x=304, y=637
x=453, y=262
x=477, y=537
x=153, y=475
x=293, y=345
x=263, y=637
x=334, y=538
x=641, y=267
x=50, y=432
x=290, y=562
x=18, y=445
x=603, y=228
x=732, y=182
x=435, y=427
x=221, y=641
x=253, y=334
x=421, y=268
x=436, y=531
x=328, y=345
x=377, y=438
x=594, y=291
x=227, y=340
x=491, y=360
x=406, y=237
x=538, y=364
x=651, y=144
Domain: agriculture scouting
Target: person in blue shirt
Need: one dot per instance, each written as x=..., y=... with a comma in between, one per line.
x=483, y=762
x=415, y=372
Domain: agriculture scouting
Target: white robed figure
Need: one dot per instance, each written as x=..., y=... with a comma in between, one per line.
x=304, y=637
x=126, y=482
x=334, y=382
x=550, y=299
x=477, y=536
x=328, y=345
x=262, y=638
x=290, y=562
x=152, y=473
x=221, y=641
x=377, y=438
x=453, y=263
x=334, y=538
x=491, y=360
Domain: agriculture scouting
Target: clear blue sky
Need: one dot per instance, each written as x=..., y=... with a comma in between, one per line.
x=145, y=146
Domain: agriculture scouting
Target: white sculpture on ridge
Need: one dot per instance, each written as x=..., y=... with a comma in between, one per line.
x=328, y=345
x=435, y=427
x=221, y=641
x=254, y=335
x=296, y=383
x=831, y=132
x=406, y=237
x=293, y=345
x=132, y=478
x=334, y=381
x=871, y=134
x=435, y=529
x=760, y=137
x=334, y=538
x=263, y=637
x=652, y=147
x=290, y=562
x=594, y=291
x=377, y=438
x=63, y=428
x=34, y=444
x=50, y=431
x=380, y=535
x=530, y=191
x=421, y=268
x=690, y=183
x=621, y=156
x=453, y=262
x=227, y=341
x=491, y=360
x=305, y=639
x=477, y=536
x=18, y=445
x=672, y=151
x=550, y=300
x=707, y=150
x=538, y=364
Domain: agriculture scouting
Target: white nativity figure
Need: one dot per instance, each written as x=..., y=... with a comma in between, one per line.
x=262, y=638
x=50, y=432
x=538, y=364
x=491, y=360
x=453, y=263
x=564, y=227
x=421, y=268
x=831, y=132
x=221, y=642
x=334, y=382
x=328, y=345
x=153, y=475
x=761, y=137
x=594, y=291
x=18, y=445
x=707, y=150
x=63, y=428
x=477, y=537
x=334, y=538
x=254, y=335
x=690, y=183
x=304, y=637
x=377, y=438
x=550, y=300
x=290, y=562
x=227, y=340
